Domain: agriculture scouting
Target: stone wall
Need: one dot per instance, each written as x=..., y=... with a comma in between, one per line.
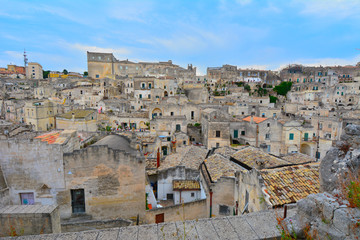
x=27, y=166
x=93, y=224
x=179, y=212
x=29, y=220
x=113, y=183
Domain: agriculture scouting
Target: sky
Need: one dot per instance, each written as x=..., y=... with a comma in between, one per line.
x=264, y=34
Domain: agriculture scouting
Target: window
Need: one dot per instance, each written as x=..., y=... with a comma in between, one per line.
x=171, y=113
x=184, y=142
x=217, y=133
x=267, y=136
x=242, y=133
x=291, y=136
x=170, y=196
x=224, y=210
x=140, y=95
x=97, y=76
x=143, y=85
x=192, y=194
x=27, y=198
x=178, y=127
x=268, y=125
x=217, y=145
x=149, y=85
x=149, y=96
x=192, y=115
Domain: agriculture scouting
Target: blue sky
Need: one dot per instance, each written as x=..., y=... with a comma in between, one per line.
x=266, y=34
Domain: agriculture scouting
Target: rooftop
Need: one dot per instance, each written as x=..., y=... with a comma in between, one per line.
x=290, y=184
x=256, y=158
x=79, y=113
x=220, y=166
x=27, y=209
x=116, y=142
x=255, y=119
x=189, y=156
x=297, y=158
x=56, y=137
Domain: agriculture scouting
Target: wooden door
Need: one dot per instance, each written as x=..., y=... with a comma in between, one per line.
x=159, y=218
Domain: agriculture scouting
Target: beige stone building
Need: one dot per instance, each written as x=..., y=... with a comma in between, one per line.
x=41, y=114
x=101, y=65
x=80, y=120
x=34, y=71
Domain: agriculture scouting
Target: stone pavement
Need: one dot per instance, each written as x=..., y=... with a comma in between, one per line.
x=259, y=225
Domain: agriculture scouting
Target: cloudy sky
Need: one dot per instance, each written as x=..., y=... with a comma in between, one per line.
x=264, y=34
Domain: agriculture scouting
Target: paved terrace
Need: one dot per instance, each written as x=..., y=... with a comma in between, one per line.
x=259, y=225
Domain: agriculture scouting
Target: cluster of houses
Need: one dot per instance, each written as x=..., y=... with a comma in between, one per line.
x=144, y=141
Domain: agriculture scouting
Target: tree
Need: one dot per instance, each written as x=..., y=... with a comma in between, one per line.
x=46, y=74
x=273, y=99
x=247, y=87
x=283, y=88
x=65, y=72
x=86, y=74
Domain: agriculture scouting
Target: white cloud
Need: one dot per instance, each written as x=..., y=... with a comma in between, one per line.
x=330, y=8
x=15, y=55
x=85, y=48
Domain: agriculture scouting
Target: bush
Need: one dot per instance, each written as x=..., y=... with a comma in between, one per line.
x=197, y=125
x=283, y=88
x=247, y=87
x=273, y=99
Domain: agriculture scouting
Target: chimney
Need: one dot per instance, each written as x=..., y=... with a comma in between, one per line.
x=158, y=159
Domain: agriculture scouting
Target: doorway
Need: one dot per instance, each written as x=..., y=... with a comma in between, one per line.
x=78, y=200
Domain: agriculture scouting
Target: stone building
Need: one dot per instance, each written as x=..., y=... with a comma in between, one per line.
x=80, y=120
x=102, y=181
x=215, y=127
x=101, y=65
x=41, y=114
x=34, y=71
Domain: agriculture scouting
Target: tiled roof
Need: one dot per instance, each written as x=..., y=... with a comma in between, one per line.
x=256, y=158
x=56, y=137
x=50, y=138
x=189, y=156
x=219, y=166
x=186, y=185
x=290, y=184
x=226, y=151
x=298, y=158
x=256, y=119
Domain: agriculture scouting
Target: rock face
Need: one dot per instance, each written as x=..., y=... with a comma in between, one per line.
x=340, y=159
x=326, y=215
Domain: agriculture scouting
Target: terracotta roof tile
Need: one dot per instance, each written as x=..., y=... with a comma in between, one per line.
x=290, y=184
x=256, y=158
x=256, y=119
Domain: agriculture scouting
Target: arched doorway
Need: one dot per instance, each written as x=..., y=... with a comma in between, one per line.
x=156, y=112
x=166, y=94
x=305, y=149
x=142, y=125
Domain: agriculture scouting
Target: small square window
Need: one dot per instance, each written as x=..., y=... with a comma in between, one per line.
x=217, y=134
x=268, y=125
x=192, y=194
